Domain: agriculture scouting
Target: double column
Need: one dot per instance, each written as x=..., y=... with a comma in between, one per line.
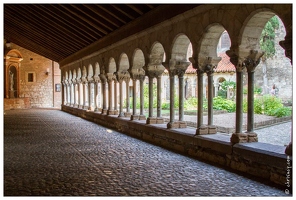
x=250, y=62
x=177, y=68
x=136, y=77
x=155, y=72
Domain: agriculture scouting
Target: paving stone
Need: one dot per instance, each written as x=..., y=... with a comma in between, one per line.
x=53, y=157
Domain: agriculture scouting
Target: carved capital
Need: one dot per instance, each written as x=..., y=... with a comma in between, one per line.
x=103, y=78
x=253, y=60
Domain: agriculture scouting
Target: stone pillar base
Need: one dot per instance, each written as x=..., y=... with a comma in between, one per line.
x=182, y=124
x=98, y=110
x=135, y=117
x=104, y=111
x=159, y=120
x=202, y=130
x=110, y=112
x=76, y=106
x=85, y=107
x=116, y=112
x=80, y=106
x=239, y=138
x=121, y=114
x=142, y=117
x=171, y=125
x=212, y=129
x=127, y=114
x=90, y=108
x=252, y=137
x=151, y=120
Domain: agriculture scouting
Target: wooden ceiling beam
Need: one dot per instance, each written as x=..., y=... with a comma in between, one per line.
x=85, y=20
x=74, y=22
x=54, y=21
x=108, y=11
x=38, y=33
x=100, y=13
x=135, y=9
x=120, y=9
x=99, y=21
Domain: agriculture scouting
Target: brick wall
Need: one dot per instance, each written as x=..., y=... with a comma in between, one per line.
x=41, y=91
x=17, y=103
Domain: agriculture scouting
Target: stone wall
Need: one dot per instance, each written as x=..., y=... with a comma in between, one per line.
x=278, y=70
x=17, y=103
x=265, y=161
x=42, y=90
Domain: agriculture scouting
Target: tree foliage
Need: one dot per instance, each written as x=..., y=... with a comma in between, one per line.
x=268, y=35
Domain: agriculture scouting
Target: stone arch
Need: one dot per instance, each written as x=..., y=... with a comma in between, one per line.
x=111, y=65
x=123, y=63
x=97, y=69
x=84, y=72
x=74, y=74
x=251, y=31
x=90, y=71
x=181, y=48
x=210, y=40
x=138, y=59
x=157, y=54
x=79, y=74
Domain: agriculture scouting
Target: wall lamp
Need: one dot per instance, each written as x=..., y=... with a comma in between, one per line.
x=47, y=71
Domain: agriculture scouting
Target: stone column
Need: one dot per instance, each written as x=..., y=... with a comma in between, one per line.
x=86, y=102
x=110, y=109
x=238, y=136
x=216, y=85
x=211, y=128
x=142, y=116
x=159, y=96
x=171, y=123
x=69, y=94
x=65, y=93
x=201, y=129
x=159, y=119
x=89, y=96
x=80, y=92
x=96, y=96
x=181, y=95
x=127, y=113
x=134, y=116
x=251, y=63
x=120, y=99
x=150, y=119
x=115, y=98
x=104, y=107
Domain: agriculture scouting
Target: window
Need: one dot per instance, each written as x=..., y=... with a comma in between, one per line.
x=30, y=77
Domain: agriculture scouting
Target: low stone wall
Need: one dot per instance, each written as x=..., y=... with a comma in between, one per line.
x=17, y=103
x=257, y=159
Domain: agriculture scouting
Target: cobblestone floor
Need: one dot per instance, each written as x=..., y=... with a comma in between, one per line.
x=49, y=152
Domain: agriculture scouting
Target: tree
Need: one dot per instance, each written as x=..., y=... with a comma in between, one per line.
x=267, y=37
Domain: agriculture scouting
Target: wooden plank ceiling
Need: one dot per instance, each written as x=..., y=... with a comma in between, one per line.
x=59, y=30
x=56, y=31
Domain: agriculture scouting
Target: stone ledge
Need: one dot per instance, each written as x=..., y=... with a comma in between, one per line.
x=272, y=155
x=262, y=160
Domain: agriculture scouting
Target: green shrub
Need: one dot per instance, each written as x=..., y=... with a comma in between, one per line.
x=220, y=103
x=282, y=112
x=270, y=104
x=222, y=93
